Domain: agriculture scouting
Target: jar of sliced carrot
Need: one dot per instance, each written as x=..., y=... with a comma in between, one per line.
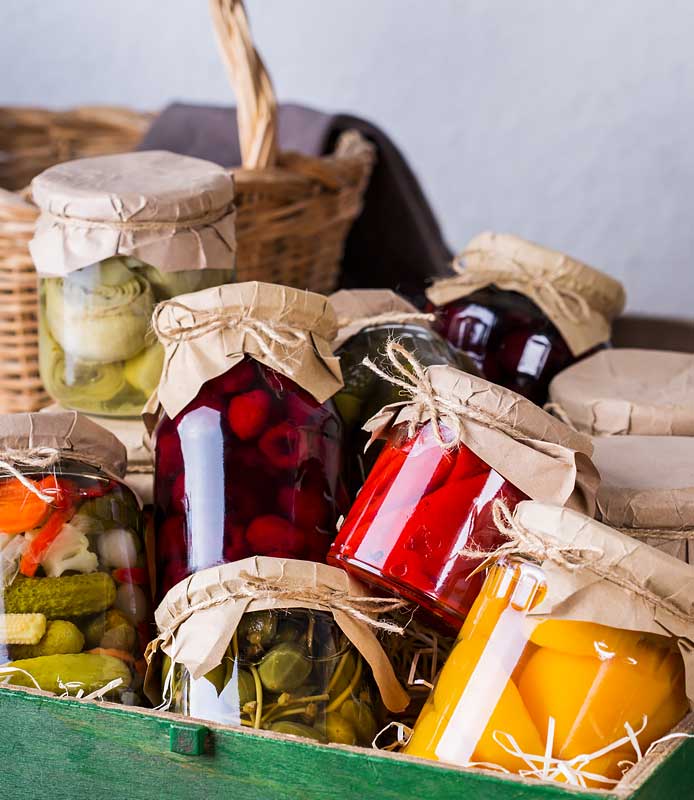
x=73, y=576
x=548, y=677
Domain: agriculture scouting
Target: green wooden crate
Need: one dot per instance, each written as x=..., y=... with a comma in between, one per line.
x=63, y=749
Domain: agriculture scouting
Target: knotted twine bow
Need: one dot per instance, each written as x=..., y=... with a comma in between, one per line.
x=541, y=546
x=427, y=402
x=562, y=301
x=207, y=321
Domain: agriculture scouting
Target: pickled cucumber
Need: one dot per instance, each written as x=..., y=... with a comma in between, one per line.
x=91, y=671
x=61, y=637
x=58, y=598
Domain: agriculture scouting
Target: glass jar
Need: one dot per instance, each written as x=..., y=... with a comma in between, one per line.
x=419, y=506
x=250, y=467
x=75, y=587
x=509, y=339
x=365, y=393
x=96, y=352
x=513, y=681
x=288, y=671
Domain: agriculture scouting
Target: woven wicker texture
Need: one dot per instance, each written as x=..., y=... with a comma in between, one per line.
x=294, y=211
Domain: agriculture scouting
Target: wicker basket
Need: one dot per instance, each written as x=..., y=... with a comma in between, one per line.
x=294, y=211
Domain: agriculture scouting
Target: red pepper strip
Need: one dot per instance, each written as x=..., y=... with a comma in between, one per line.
x=137, y=575
x=32, y=557
x=97, y=490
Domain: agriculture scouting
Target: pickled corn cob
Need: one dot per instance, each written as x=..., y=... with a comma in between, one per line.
x=22, y=628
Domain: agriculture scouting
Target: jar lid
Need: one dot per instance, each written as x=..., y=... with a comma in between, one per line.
x=71, y=434
x=579, y=300
x=357, y=309
x=206, y=333
x=197, y=618
x=172, y=212
x=629, y=391
x=541, y=456
x=647, y=482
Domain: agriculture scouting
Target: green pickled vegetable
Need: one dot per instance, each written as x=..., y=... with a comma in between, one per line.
x=360, y=716
x=216, y=677
x=245, y=686
x=297, y=729
x=61, y=637
x=143, y=371
x=57, y=598
x=338, y=729
x=284, y=667
x=258, y=628
x=100, y=313
x=166, y=285
x=93, y=672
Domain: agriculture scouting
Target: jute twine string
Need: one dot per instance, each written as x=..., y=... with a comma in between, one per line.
x=386, y=318
x=361, y=609
x=40, y=458
x=539, y=545
x=207, y=321
x=208, y=218
x=563, y=301
x=665, y=534
x=430, y=404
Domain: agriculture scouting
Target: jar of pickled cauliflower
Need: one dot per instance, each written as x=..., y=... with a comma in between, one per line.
x=523, y=312
x=74, y=584
x=456, y=445
x=288, y=651
x=118, y=234
x=248, y=443
x=548, y=677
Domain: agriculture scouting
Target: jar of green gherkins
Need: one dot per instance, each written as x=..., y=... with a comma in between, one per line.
x=275, y=644
x=368, y=319
x=116, y=235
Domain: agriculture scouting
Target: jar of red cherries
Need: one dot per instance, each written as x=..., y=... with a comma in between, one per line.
x=247, y=442
x=455, y=447
x=522, y=312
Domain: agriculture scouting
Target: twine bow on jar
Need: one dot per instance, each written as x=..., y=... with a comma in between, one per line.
x=443, y=412
x=287, y=337
x=559, y=299
x=387, y=318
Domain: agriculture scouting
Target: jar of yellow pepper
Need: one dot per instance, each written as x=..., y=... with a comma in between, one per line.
x=572, y=661
x=116, y=235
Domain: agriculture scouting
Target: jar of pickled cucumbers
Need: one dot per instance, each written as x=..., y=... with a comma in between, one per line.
x=549, y=677
x=453, y=447
x=284, y=648
x=367, y=320
x=248, y=444
x=74, y=584
x=523, y=312
x=116, y=235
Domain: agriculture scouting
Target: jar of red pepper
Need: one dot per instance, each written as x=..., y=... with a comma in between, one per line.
x=453, y=447
x=247, y=443
x=523, y=312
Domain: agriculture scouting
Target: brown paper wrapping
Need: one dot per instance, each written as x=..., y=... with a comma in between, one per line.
x=580, y=594
x=579, y=300
x=647, y=484
x=629, y=391
x=227, y=312
x=73, y=434
x=199, y=642
x=356, y=309
x=172, y=212
x=548, y=462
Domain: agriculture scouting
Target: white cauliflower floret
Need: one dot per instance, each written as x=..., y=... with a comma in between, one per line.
x=69, y=551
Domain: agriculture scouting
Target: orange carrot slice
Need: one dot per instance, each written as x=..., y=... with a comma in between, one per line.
x=20, y=509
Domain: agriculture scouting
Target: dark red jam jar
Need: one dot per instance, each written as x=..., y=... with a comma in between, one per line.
x=420, y=505
x=250, y=467
x=524, y=313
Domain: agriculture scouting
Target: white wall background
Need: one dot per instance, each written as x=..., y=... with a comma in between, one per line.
x=567, y=121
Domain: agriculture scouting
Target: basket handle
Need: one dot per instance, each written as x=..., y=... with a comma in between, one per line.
x=255, y=95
